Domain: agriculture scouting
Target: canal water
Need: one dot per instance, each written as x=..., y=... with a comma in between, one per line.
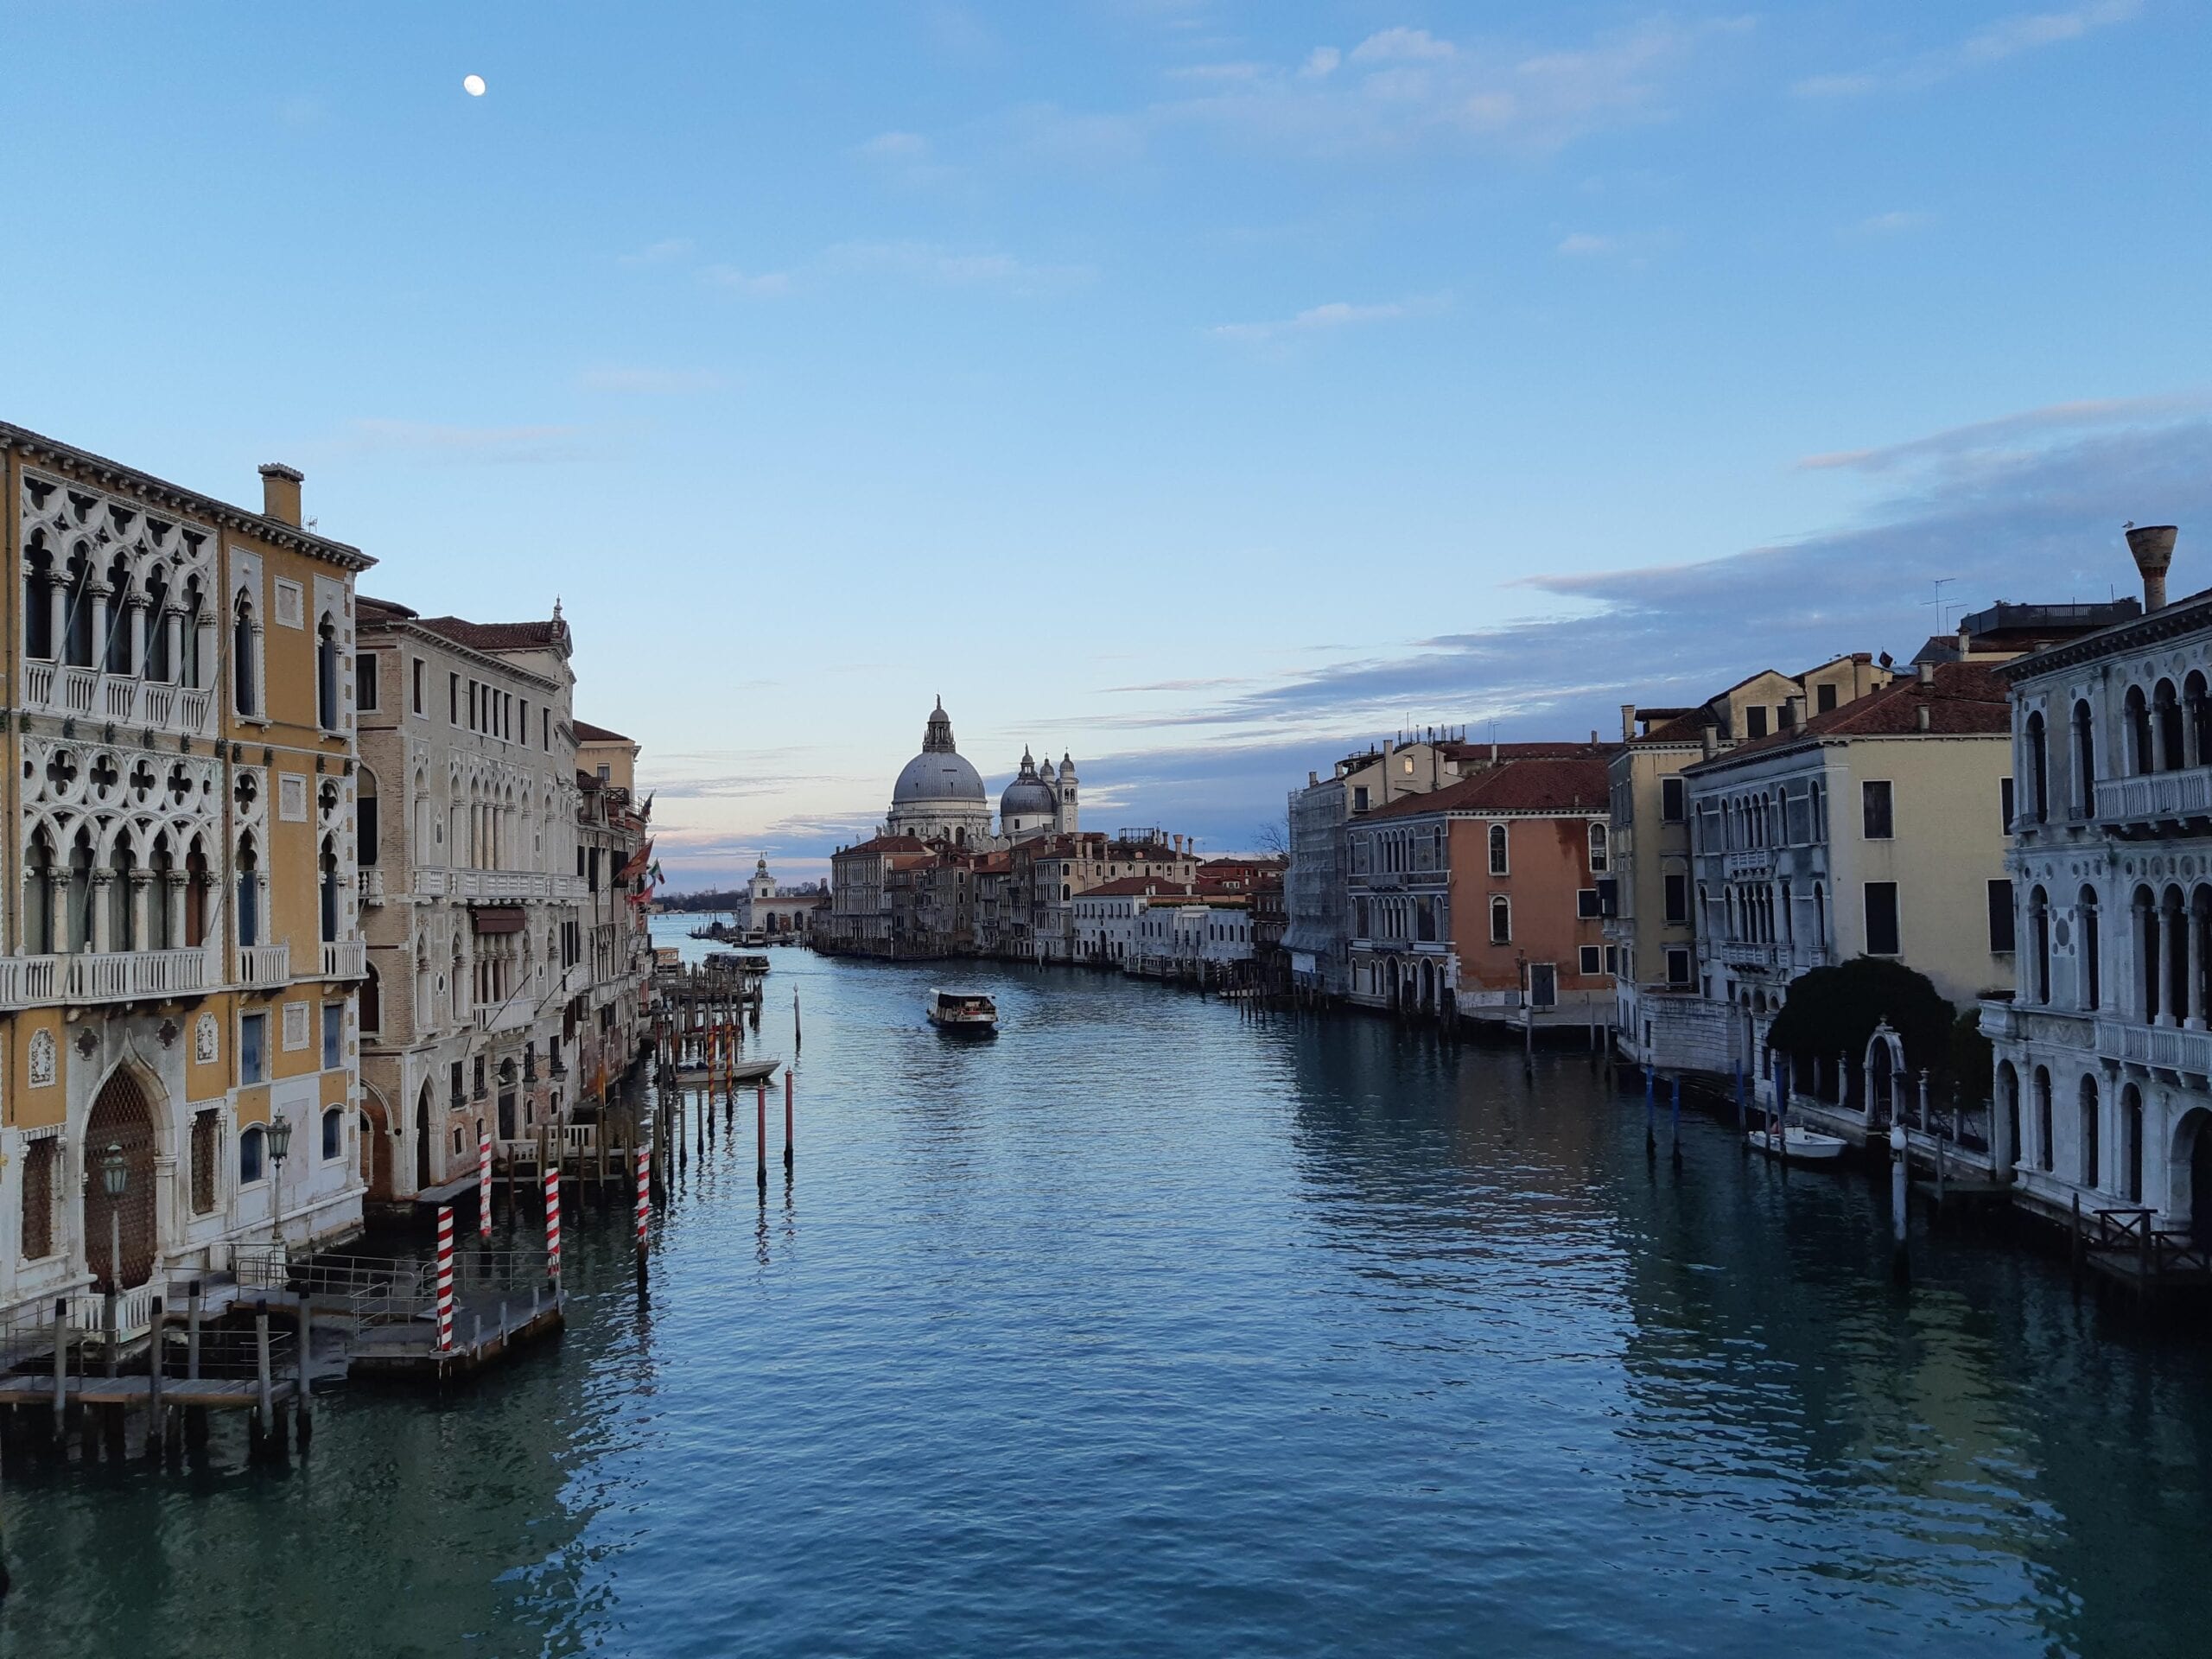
x=1148, y=1328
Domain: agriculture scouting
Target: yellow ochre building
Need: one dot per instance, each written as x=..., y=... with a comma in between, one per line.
x=179, y=1034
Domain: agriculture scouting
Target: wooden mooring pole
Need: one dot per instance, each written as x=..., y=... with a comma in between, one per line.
x=788, y=1142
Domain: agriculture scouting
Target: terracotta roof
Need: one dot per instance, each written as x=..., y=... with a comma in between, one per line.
x=495, y=636
x=372, y=611
x=587, y=733
x=889, y=844
x=1962, y=700
x=1544, y=749
x=1137, y=886
x=1538, y=785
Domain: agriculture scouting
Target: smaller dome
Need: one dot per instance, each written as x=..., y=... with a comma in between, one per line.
x=1026, y=797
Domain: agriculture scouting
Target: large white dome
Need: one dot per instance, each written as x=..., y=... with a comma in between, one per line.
x=941, y=776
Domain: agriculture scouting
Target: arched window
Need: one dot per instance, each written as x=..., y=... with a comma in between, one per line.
x=2090, y=979
x=77, y=614
x=192, y=669
x=2131, y=1144
x=115, y=644
x=38, y=601
x=2166, y=705
x=249, y=902
x=326, y=674
x=2043, y=1118
x=160, y=665
x=2088, y=1131
x=1600, y=848
x=334, y=1133
x=332, y=910
x=2008, y=1108
x=1501, y=921
x=2196, y=708
x=368, y=831
x=125, y=920
x=2146, y=907
x=1498, y=864
x=2136, y=708
x=2038, y=759
x=38, y=894
x=250, y=1144
x=2085, y=760
x=81, y=892
x=196, y=883
x=372, y=1001
x=245, y=676
x=2039, y=937
x=1819, y=916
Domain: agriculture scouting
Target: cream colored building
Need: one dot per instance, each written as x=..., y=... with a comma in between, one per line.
x=1652, y=924
x=1875, y=829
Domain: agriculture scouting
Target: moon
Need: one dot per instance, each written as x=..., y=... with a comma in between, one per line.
x=472, y=84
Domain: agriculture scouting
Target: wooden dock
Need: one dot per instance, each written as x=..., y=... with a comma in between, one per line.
x=484, y=1332
x=230, y=1393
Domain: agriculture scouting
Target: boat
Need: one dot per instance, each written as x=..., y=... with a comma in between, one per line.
x=1798, y=1146
x=738, y=1074
x=970, y=1013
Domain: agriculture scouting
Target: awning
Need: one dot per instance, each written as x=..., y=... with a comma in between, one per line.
x=498, y=918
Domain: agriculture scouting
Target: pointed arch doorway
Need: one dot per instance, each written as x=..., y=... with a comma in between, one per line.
x=121, y=1119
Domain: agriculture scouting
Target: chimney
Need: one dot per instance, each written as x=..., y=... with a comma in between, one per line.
x=1594, y=737
x=1920, y=715
x=1925, y=673
x=1709, y=740
x=280, y=492
x=1797, y=710
x=2153, y=546
x=1628, y=722
x=1312, y=778
x=1966, y=643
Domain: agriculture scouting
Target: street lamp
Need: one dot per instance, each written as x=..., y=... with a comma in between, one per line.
x=115, y=1179
x=279, y=1143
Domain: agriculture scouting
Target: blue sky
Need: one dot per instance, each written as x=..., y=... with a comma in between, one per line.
x=1201, y=387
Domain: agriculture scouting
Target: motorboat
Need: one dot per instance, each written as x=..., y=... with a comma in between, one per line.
x=1797, y=1145
x=970, y=1013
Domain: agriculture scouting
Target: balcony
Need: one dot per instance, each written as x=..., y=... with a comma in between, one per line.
x=371, y=884
x=1754, y=865
x=1738, y=954
x=513, y=1014
x=102, y=976
x=497, y=886
x=264, y=966
x=91, y=694
x=2139, y=805
x=2162, y=1048
x=345, y=959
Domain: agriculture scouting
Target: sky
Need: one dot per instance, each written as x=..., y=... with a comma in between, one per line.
x=1203, y=388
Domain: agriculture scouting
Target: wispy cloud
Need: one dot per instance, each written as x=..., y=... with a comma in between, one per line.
x=1316, y=319
x=2008, y=437
x=931, y=262
x=661, y=383
x=757, y=285
x=2008, y=37
x=2027, y=505
x=476, y=445
x=669, y=251
x=1392, y=91
x=1897, y=223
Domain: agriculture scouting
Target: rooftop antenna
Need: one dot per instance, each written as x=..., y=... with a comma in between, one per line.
x=1941, y=605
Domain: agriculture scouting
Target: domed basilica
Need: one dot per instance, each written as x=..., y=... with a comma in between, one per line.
x=940, y=796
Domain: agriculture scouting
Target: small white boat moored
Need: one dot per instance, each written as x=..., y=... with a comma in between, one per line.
x=1798, y=1146
x=968, y=1012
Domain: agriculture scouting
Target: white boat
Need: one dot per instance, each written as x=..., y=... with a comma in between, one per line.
x=970, y=1012
x=1799, y=1145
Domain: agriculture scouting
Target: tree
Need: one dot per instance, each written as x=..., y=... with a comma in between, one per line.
x=1831, y=1011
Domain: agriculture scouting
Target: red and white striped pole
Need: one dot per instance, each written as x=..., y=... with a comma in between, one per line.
x=445, y=1278
x=644, y=1196
x=553, y=1226
x=484, y=1184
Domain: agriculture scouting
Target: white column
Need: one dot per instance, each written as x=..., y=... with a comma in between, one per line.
x=137, y=622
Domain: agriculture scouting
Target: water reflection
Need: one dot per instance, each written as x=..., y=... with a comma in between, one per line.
x=1153, y=1327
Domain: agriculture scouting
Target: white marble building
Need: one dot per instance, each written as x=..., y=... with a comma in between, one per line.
x=2103, y=1056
